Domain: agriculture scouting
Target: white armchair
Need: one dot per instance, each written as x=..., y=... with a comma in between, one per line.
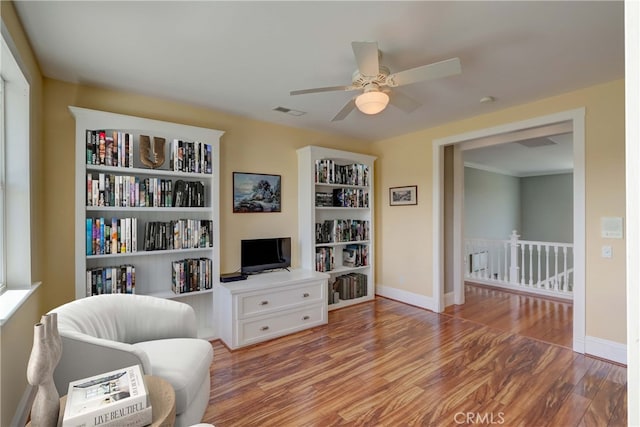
x=106, y=332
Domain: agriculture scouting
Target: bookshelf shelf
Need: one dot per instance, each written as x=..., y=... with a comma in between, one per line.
x=351, y=242
x=112, y=230
x=344, y=270
x=324, y=184
x=328, y=176
x=340, y=208
x=148, y=253
x=204, y=210
x=173, y=295
x=147, y=172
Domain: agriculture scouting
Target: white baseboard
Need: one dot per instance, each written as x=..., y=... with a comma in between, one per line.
x=606, y=349
x=578, y=344
x=449, y=299
x=406, y=297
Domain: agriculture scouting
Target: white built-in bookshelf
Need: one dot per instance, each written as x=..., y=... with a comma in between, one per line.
x=145, y=227
x=336, y=221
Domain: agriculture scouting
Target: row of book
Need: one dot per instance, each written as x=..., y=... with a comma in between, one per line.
x=347, y=286
x=355, y=256
x=343, y=198
x=111, y=236
x=328, y=172
x=109, y=148
x=342, y=230
x=120, y=279
x=120, y=235
x=352, y=256
x=325, y=260
x=178, y=234
x=191, y=275
x=133, y=191
x=191, y=156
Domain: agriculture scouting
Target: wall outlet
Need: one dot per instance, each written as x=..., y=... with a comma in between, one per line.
x=607, y=252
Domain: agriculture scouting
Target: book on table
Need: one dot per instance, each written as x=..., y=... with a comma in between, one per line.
x=115, y=398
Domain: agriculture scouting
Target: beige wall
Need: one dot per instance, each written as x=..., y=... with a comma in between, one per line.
x=17, y=333
x=246, y=146
x=404, y=245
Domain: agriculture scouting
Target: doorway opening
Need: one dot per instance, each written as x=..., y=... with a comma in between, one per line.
x=449, y=262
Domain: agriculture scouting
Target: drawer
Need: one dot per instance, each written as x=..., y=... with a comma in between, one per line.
x=252, y=331
x=267, y=301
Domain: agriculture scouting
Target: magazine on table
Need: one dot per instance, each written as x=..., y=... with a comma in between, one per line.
x=116, y=398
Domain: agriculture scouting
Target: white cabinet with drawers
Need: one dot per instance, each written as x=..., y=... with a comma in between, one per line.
x=270, y=305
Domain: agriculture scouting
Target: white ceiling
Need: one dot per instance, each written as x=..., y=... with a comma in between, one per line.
x=245, y=57
x=527, y=157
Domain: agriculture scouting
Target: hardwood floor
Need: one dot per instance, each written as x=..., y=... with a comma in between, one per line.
x=385, y=363
x=540, y=318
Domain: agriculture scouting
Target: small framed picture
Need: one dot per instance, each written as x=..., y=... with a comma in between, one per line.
x=256, y=192
x=400, y=196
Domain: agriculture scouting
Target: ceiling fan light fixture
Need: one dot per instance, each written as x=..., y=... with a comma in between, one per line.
x=372, y=102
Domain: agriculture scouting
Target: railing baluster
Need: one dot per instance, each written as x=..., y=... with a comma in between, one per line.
x=564, y=271
x=506, y=263
x=498, y=262
x=530, y=265
x=494, y=255
x=523, y=248
x=539, y=253
x=547, y=278
x=555, y=271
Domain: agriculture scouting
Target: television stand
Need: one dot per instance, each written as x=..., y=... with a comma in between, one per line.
x=270, y=305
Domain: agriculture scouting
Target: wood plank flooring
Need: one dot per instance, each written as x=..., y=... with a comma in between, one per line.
x=384, y=363
x=534, y=317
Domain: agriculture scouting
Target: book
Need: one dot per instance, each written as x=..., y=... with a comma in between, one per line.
x=115, y=398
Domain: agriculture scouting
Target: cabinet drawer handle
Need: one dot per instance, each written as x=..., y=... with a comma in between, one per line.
x=305, y=295
x=264, y=303
x=264, y=328
x=305, y=318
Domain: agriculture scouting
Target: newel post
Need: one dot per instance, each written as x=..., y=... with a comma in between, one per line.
x=514, y=270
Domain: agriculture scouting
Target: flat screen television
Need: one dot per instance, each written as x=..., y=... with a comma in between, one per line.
x=258, y=255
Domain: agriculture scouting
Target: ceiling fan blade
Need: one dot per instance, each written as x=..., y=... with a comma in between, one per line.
x=366, y=54
x=402, y=101
x=436, y=70
x=345, y=110
x=323, y=89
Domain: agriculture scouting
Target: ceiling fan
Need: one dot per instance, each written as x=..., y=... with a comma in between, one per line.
x=376, y=81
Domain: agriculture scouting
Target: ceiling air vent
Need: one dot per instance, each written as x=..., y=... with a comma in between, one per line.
x=536, y=142
x=289, y=111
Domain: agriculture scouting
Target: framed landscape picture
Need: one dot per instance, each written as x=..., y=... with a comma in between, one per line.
x=256, y=192
x=399, y=196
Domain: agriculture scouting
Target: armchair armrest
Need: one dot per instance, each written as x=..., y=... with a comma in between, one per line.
x=85, y=356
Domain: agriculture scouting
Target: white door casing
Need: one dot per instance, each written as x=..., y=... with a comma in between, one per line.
x=575, y=119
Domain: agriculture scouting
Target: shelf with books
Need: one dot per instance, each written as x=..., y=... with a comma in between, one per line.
x=336, y=224
x=151, y=172
x=171, y=210
x=350, y=242
x=148, y=253
x=173, y=295
x=147, y=196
